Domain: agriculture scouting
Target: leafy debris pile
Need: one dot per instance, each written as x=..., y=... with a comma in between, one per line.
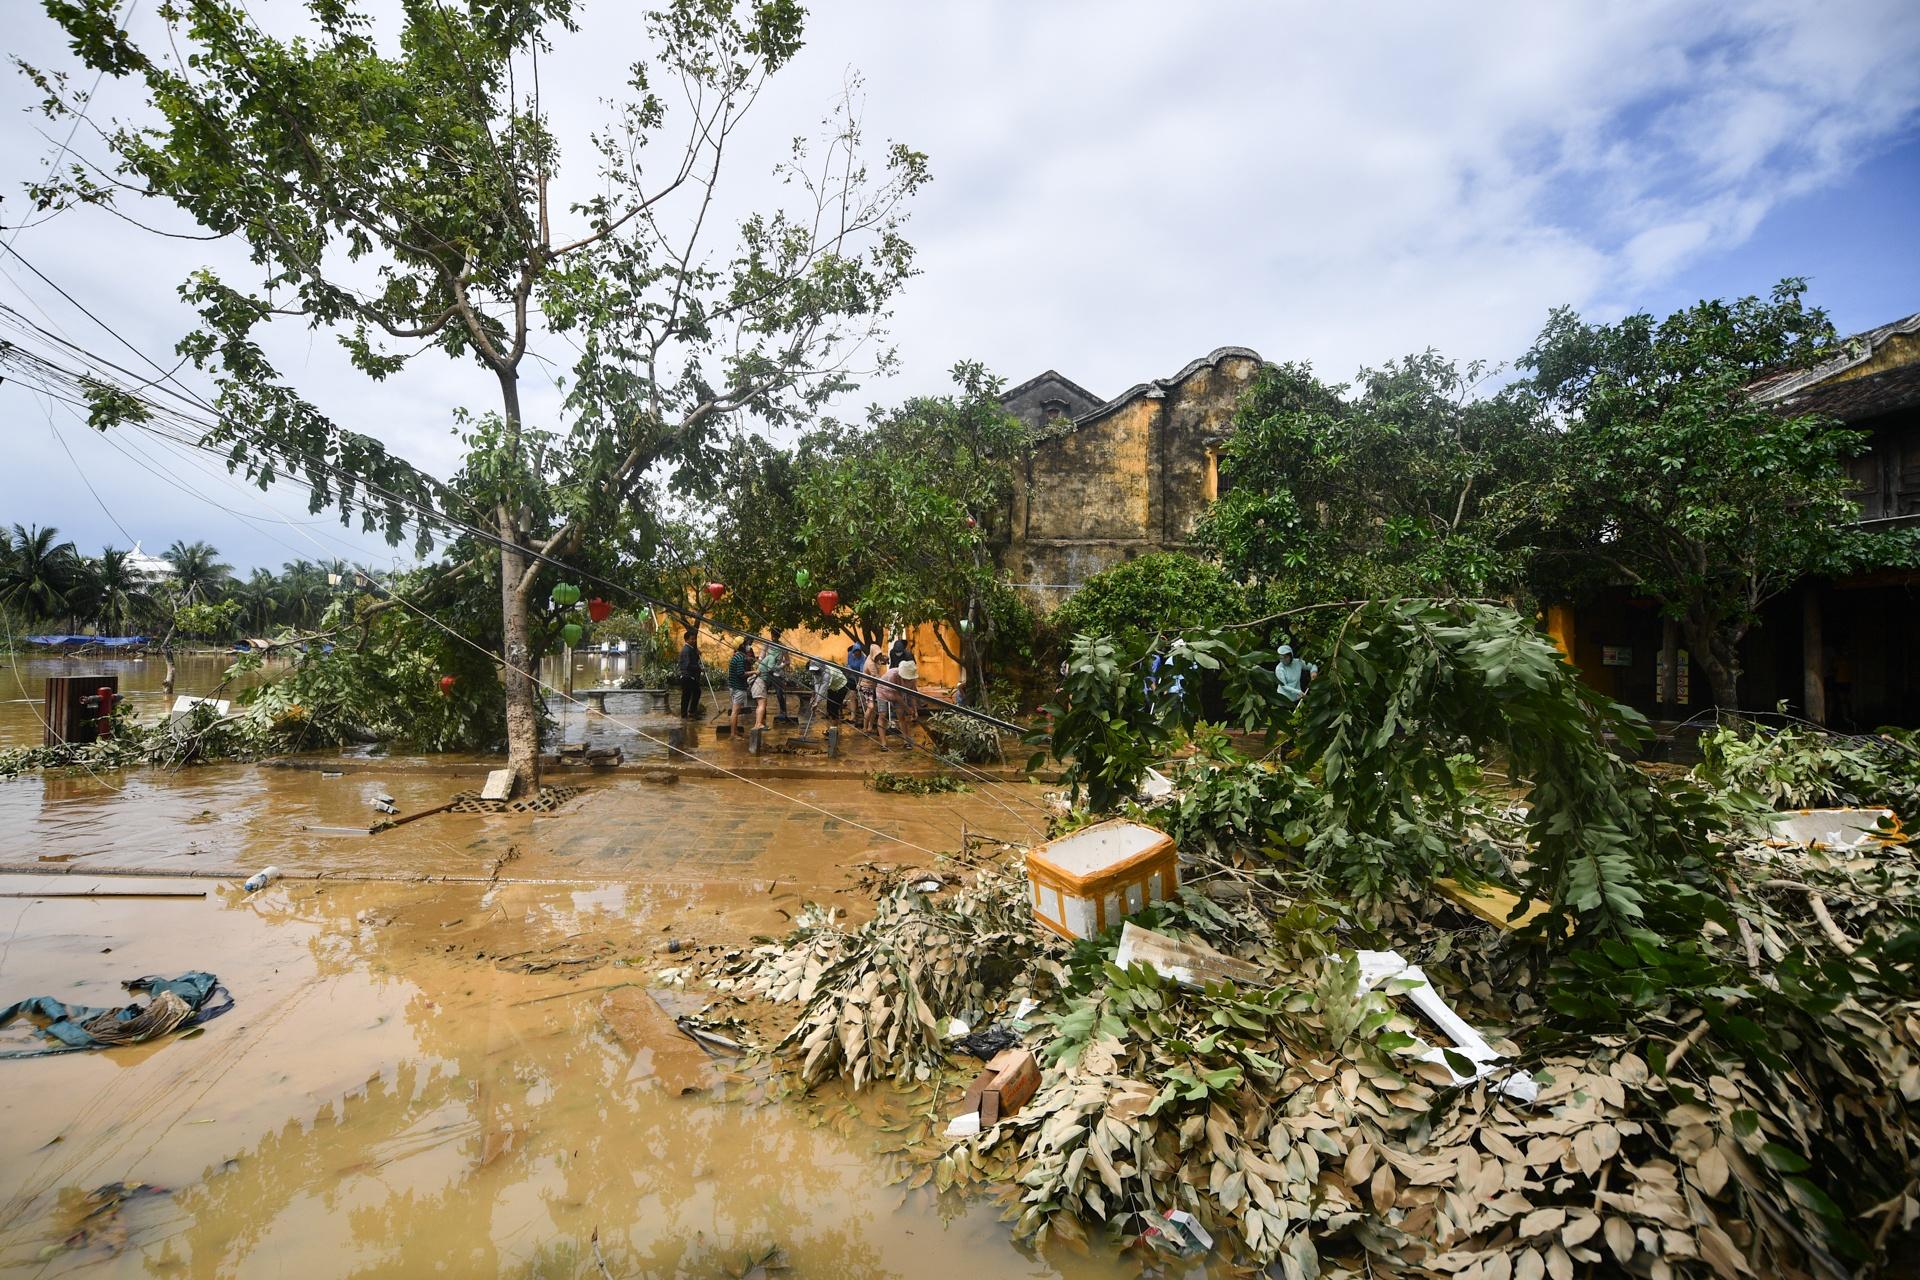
x=1724, y=1030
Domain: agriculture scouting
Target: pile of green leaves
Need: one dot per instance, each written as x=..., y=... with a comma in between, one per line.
x=915, y=784
x=1805, y=766
x=965, y=739
x=874, y=1001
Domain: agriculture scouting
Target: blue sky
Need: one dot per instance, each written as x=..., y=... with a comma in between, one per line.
x=1120, y=186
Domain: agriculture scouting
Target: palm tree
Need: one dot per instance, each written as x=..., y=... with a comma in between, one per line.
x=39, y=572
x=259, y=598
x=198, y=573
x=116, y=593
x=303, y=592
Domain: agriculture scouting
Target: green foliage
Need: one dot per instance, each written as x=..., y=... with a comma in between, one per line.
x=1674, y=478
x=1413, y=680
x=878, y=512
x=1804, y=766
x=1385, y=802
x=394, y=187
x=1108, y=730
x=1401, y=483
x=1164, y=591
x=966, y=739
x=915, y=784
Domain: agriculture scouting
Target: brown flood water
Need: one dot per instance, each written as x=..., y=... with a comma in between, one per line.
x=444, y=1078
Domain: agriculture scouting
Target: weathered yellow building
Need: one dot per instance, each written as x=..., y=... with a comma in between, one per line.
x=1110, y=480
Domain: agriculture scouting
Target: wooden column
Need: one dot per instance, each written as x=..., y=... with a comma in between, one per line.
x=1813, y=653
x=1670, y=664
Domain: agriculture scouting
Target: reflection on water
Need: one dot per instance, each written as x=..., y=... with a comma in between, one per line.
x=23, y=679
x=430, y=1078
x=372, y=1108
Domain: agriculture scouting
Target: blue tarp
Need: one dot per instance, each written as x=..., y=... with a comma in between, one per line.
x=75, y=642
x=202, y=993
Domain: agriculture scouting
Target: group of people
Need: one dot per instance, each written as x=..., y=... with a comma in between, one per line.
x=882, y=687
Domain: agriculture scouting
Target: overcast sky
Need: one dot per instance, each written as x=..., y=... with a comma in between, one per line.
x=1119, y=188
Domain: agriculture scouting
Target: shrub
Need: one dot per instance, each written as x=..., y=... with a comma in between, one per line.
x=1167, y=591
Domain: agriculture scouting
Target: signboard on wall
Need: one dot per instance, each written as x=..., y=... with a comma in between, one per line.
x=1616, y=655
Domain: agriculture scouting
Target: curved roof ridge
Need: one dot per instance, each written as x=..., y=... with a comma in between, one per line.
x=1160, y=386
x=1856, y=350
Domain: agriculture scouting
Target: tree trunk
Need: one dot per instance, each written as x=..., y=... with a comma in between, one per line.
x=1716, y=655
x=523, y=706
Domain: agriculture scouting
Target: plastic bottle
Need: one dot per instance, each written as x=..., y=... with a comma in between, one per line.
x=261, y=879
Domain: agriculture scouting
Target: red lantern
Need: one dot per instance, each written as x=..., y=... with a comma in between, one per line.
x=828, y=600
x=716, y=590
x=446, y=685
x=971, y=522
x=598, y=609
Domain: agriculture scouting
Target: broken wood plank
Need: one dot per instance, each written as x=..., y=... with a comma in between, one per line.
x=108, y=893
x=1189, y=963
x=1491, y=903
x=402, y=821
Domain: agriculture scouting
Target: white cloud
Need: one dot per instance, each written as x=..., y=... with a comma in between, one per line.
x=1120, y=186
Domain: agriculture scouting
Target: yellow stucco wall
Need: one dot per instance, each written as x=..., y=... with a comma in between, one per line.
x=1095, y=480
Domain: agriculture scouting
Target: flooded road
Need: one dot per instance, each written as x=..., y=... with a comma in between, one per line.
x=457, y=1078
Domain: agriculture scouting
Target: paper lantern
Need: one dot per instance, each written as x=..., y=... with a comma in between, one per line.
x=599, y=610
x=966, y=627
x=828, y=600
x=446, y=685
x=572, y=632
x=715, y=590
x=801, y=578
x=972, y=523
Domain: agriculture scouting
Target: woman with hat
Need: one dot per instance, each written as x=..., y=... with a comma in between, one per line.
x=897, y=691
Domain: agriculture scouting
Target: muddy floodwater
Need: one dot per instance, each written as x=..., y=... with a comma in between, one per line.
x=469, y=1075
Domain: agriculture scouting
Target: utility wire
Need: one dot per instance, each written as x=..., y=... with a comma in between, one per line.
x=432, y=517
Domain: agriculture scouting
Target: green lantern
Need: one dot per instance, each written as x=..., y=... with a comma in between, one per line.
x=572, y=632
x=801, y=578
x=966, y=627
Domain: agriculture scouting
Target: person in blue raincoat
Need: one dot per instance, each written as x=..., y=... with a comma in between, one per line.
x=1293, y=674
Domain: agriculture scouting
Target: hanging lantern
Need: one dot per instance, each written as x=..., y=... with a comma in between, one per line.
x=715, y=590
x=446, y=686
x=828, y=600
x=972, y=523
x=565, y=594
x=571, y=633
x=966, y=627
x=801, y=578
x=599, y=610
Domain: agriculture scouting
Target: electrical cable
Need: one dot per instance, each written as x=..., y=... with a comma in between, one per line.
x=432, y=519
x=533, y=677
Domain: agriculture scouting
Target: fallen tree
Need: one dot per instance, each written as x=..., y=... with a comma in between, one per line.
x=1725, y=1033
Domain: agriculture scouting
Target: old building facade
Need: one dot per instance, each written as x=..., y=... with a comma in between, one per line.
x=1838, y=651
x=1111, y=480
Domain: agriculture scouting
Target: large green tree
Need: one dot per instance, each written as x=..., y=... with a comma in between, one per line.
x=394, y=184
x=892, y=513
x=1403, y=482
x=1674, y=479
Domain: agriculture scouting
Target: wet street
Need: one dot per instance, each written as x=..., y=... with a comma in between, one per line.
x=469, y=1075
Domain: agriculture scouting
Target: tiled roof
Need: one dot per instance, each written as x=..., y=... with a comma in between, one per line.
x=1857, y=399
